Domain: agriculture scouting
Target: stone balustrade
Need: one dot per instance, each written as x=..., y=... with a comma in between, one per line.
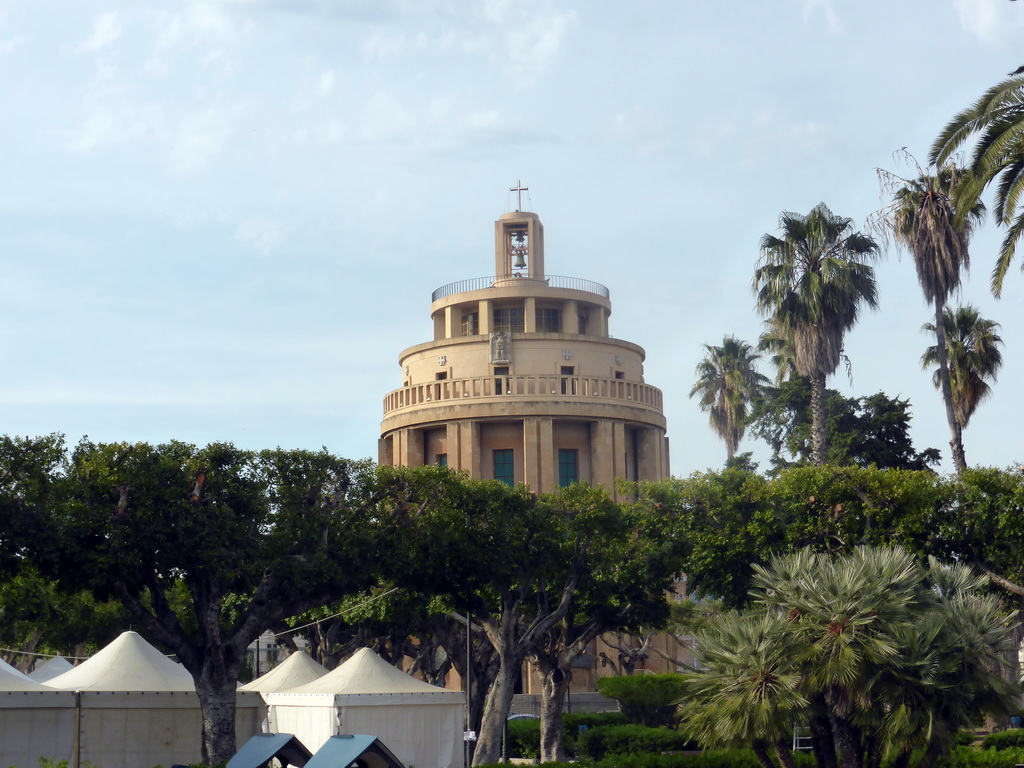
x=524, y=388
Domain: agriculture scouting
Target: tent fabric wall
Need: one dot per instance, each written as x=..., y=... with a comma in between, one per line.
x=420, y=723
x=128, y=729
x=129, y=706
x=35, y=724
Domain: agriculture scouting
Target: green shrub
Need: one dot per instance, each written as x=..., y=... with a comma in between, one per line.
x=966, y=757
x=1004, y=739
x=524, y=738
x=524, y=733
x=629, y=739
x=721, y=758
x=645, y=699
x=586, y=721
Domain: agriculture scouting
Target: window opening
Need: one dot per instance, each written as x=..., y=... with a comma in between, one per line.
x=568, y=467
x=504, y=467
x=549, y=320
x=568, y=384
x=470, y=323
x=501, y=382
x=508, y=320
x=441, y=460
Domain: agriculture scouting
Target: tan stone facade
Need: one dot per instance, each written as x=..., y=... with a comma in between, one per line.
x=522, y=382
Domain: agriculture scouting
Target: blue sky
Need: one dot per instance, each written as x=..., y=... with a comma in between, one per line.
x=223, y=220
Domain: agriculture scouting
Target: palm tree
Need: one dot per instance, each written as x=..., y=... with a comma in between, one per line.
x=811, y=282
x=727, y=381
x=777, y=343
x=923, y=218
x=972, y=347
x=997, y=119
x=749, y=693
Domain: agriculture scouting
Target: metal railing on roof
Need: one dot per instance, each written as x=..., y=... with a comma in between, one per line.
x=554, y=281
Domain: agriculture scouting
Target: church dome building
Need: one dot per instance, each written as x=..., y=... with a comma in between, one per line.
x=522, y=383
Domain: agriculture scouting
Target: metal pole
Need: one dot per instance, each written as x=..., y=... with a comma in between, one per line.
x=469, y=686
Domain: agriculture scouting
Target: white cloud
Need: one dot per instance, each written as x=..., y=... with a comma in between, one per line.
x=200, y=137
x=106, y=28
x=386, y=118
x=331, y=132
x=825, y=7
x=110, y=116
x=643, y=129
x=199, y=23
x=11, y=44
x=325, y=83
x=264, y=236
x=987, y=20
x=379, y=47
x=530, y=47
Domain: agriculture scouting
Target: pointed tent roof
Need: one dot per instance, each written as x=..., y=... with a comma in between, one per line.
x=129, y=663
x=12, y=670
x=366, y=672
x=298, y=669
x=58, y=665
x=15, y=681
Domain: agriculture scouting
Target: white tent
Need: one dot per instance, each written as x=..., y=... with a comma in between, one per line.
x=5, y=667
x=127, y=664
x=420, y=723
x=298, y=669
x=58, y=665
x=127, y=706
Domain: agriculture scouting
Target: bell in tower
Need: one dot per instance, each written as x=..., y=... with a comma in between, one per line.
x=518, y=246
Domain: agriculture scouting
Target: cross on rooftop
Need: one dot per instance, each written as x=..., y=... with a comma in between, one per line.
x=519, y=189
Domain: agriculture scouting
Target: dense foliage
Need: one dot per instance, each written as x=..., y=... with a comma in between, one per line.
x=883, y=658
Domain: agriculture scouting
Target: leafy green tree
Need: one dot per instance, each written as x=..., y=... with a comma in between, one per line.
x=497, y=553
x=255, y=538
x=994, y=128
x=811, y=281
x=628, y=559
x=648, y=700
x=924, y=218
x=727, y=382
x=987, y=513
x=736, y=519
x=38, y=617
x=973, y=356
x=865, y=431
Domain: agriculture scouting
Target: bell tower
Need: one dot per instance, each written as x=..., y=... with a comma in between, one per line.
x=519, y=246
x=522, y=382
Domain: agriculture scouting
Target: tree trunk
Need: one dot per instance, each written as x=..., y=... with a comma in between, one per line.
x=761, y=752
x=849, y=743
x=217, y=696
x=823, y=743
x=784, y=754
x=554, y=682
x=819, y=417
x=496, y=708
x=931, y=754
x=956, y=443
